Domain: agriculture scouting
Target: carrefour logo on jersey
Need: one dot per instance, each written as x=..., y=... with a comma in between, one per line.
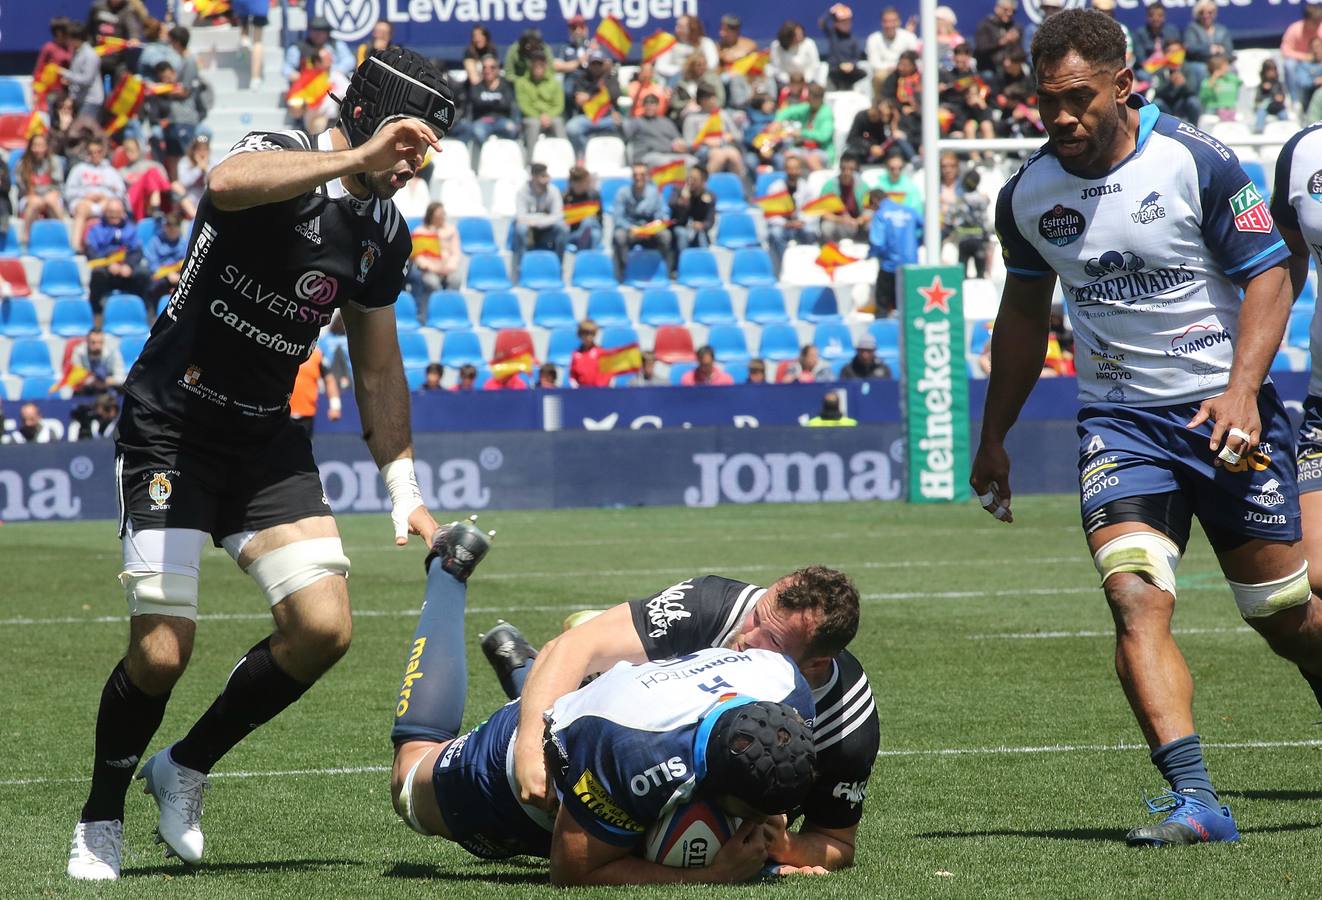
x=1061, y=225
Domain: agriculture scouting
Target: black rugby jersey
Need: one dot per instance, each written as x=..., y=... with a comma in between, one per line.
x=255, y=290
x=707, y=612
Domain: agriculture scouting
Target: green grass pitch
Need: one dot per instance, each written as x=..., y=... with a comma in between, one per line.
x=1009, y=762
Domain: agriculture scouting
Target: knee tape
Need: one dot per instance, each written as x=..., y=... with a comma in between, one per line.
x=1146, y=553
x=404, y=806
x=160, y=594
x=295, y=566
x=1257, y=601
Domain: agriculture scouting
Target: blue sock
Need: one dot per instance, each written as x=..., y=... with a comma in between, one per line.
x=430, y=706
x=1181, y=763
x=517, y=677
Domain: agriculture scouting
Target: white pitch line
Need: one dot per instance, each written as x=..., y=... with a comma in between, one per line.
x=286, y=773
x=1039, y=635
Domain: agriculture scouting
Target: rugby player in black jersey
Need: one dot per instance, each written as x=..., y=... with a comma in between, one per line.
x=808, y=615
x=291, y=228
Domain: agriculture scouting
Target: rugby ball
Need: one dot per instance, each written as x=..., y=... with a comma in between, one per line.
x=689, y=835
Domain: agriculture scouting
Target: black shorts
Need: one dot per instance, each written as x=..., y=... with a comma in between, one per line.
x=173, y=477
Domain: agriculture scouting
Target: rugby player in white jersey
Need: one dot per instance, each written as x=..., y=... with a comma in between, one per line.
x=1153, y=228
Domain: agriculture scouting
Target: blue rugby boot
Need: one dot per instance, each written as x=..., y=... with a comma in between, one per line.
x=1188, y=821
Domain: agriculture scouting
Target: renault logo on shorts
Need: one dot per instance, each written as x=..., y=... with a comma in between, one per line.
x=317, y=287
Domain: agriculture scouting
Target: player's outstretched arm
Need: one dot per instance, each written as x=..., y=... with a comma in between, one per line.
x=1018, y=347
x=560, y=667
x=813, y=847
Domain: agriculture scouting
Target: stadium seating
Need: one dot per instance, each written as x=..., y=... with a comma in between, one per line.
x=712, y=306
x=36, y=387
x=606, y=308
x=609, y=188
x=406, y=312
x=70, y=317
x=766, y=306
x=738, y=371
x=13, y=130
x=457, y=160
x=593, y=270
x=30, y=356
x=511, y=341
x=561, y=345
x=819, y=304
x=18, y=318
x=476, y=235
x=752, y=268
x=980, y=333
x=834, y=341
x=1297, y=334
x=618, y=336
x=130, y=347
x=673, y=343
x=736, y=230
x=500, y=309
x=605, y=156
x=556, y=153
x=12, y=97
x=728, y=343
x=778, y=342
x=413, y=348
x=125, y=314
x=553, y=309
x=486, y=272
x=660, y=307
x=415, y=377
x=679, y=370
x=447, y=310
x=1257, y=174
x=728, y=189
x=461, y=348
x=462, y=197
x=697, y=269
x=60, y=278
x=498, y=158
x=764, y=182
x=148, y=226
x=645, y=269
x=9, y=242
x=539, y=270
x=50, y=240
x=1282, y=362
x=13, y=274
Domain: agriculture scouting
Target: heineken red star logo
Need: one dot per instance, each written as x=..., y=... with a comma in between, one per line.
x=936, y=296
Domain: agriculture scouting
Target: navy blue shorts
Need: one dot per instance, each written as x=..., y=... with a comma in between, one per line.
x=473, y=791
x=1129, y=451
x=1308, y=455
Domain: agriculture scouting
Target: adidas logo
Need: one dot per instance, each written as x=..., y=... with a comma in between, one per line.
x=127, y=762
x=311, y=229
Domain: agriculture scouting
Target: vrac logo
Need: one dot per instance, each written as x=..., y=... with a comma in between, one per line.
x=1149, y=210
x=350, y=20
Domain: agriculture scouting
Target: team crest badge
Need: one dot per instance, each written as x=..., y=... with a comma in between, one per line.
x=365, y=262
x=192, y=375
x=159, y=491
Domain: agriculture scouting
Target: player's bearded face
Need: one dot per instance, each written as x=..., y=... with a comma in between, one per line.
x=1080, y=107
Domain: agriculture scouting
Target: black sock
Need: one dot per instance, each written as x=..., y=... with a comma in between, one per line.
x=1315, y=682
x=257, y=690
x=125, y=723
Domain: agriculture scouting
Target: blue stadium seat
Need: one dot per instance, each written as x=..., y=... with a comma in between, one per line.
x=698, y=269
x=49, y=239
x=609, y=188
x=60, y=278
x=778, y=342
x=553, y=309
x=540, y=270
x=560, y=348
x=1281, y=362
x=71, y=317
x=415, y=377
x=476, y=235
x=645, y=269
x=752, y=268
x=161, y=304
x=766, y=306
x=18, y=318
x=764, y=182
x=406, y=313
x=819, y=304
x=607, y=308
x=892, y=360
x=148, y=228
x=738, y=371
x=887, y=333
x=500, y=309
x=412, y=222
x=980, y=333
x=130, y=347
x=728, y=342
x=413, y=347
x=660, y=307
x=679, y=370
x=593, y=270
x=1257, y=173
x=9, y=242
x=728, y=189
x=712, y=306
x=30, y=356
x=486, y=272
x=36, y=387
x=447, y=310
x=737, y=230
x=833, y=340
x=125, y=314
x=12, y=97
x=461, y=348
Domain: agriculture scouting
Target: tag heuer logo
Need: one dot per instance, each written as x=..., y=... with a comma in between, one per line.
x=1250, y=211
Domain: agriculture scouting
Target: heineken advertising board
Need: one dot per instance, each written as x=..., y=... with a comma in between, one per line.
x=935, y=395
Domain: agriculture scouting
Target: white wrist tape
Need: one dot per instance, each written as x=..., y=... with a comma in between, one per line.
x=335, y=404
x=402, y=483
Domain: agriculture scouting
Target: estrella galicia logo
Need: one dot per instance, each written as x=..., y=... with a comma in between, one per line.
x=1315, y=185
x=1111, y=262
x=1149, y=210
x=350, y=20
x=1061, y=225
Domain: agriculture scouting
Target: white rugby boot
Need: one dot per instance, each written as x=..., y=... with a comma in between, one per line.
x=95, y=850
x=178, y=794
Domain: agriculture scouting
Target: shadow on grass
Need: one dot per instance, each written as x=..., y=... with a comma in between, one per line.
x=1273, y=795
x=177, y=870
x=1055, y=834
x=1286, y=826
x=535, y=873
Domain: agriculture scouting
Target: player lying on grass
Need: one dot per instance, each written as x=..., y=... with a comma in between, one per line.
x=620, y=752
x=809, y=615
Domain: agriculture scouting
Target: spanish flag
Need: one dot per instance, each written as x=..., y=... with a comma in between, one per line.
x=613, y=38
x=425, y=244
x=597, y=106
x=657, y=45
x=167, y=270
x=754, y=63
x=773, y=134
x=1160, y=60
x=160, y=88
x=513, y=359
x=668, y=173
x=620, y=360
x=577, y=212
x=101, y=262
x=47, y=80
x=832, y=257
x=36, y=124
x=207, y=9
x=310, y=88
x=108, y=44
x=827, y=203
x=125, y=101
x=73, y=376
x=710, y=129
x=649, y=229
x=777, y=204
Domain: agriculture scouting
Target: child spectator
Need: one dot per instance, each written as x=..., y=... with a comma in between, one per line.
x=40, y=177
x=584, y=369
x=1270, y=97
x=431, y=379
x=57, y=49
x=1219, y=93
x=757, y=371
x=164, y=255
x=467, y=378
x=431, y=272
x=548, y=376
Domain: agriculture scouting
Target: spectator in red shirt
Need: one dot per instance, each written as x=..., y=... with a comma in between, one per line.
x=548, y=376
x=467, y=378
x=584, y=368
x=57, y=49
x=511, y=382
x=707, y=371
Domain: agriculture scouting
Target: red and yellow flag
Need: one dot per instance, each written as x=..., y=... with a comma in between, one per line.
x=773, y=134
x=754, y=63
x=425, y=244
x=657, y=45
x=832, y=257
x=160, y=88
x=101, y=262
x=777, y=204
x=667, y=173
x=310, y=88
x=650, y=229
x=210, y=8
x=827, y=203
x=108, y=44
x=512, y=359
x=711, y=128
x=73, y=376
x=167, y=269
x=1159, y=60
x=125, y=101
x=577, y=212
x=47, y=80
x=613, y=38
x=620, y=360
x=36, y=124
x=597, y=106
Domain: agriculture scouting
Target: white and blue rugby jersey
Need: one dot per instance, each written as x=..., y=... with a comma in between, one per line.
x=1148, y=257
x=1297, y=204
x=634, y=741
